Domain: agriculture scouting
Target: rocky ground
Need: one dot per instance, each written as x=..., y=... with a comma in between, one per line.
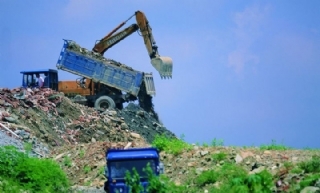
x=77, y=136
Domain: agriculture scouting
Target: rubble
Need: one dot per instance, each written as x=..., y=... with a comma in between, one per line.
x=44, y=116
x=77, y=137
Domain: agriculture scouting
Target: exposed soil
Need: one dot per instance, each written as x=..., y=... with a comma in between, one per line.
x=78, y=136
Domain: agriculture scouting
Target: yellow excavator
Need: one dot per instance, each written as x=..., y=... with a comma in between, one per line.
x=162, y=64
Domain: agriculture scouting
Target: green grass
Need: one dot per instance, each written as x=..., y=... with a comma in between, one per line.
x=311, y=166
x=228, y=176
x=219, y=156
x=217, y=142
x=170, y=145
x=274, y=146
x=81, y=153
x=86, y=169
x=18, y=171
x=67, y=161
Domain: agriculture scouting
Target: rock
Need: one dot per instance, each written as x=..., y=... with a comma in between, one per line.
x=203, y=153
x=258, y=170
x=124, y=126
x=59, y=156
x=135, y=135
x=10, y=119
x=191, y=164
x=238, y=159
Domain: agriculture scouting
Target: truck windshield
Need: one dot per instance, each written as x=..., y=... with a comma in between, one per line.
x=118, y=168
x=29, y=80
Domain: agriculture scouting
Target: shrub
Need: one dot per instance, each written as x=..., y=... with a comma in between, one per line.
x=233, y=178
x=155, y=184
x=133, y=181
x=311, y=166
x=18, y=171
x=81, y=153
x=274, y=146
x=67, y=161
x=206, y=177
x=309, y=180
x=9, y=159
x=170, y=145
x=219, y=156
x=43, y=175
x=86, y=169
x=216, y=142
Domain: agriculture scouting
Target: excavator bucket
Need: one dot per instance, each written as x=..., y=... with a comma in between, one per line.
x=163, y=65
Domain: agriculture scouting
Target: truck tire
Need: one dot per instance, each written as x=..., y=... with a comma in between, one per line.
x=104, y=102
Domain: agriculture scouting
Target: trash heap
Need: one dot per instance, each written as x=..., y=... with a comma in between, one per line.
x=47, y=119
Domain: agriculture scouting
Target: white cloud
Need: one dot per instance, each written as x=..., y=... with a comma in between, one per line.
x=238, y=58
x=247, y=31
x=80, y=10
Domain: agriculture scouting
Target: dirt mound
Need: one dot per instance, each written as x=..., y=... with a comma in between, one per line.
x=77, y=137
x=55, y=120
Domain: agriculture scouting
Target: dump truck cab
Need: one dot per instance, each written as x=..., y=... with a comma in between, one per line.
x=50, y=77
x=126, y=160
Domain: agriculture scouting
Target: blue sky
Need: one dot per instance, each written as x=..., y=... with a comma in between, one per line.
x=246, y=72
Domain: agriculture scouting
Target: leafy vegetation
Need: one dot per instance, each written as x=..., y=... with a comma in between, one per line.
x=274, y=146
x=170, y=145
x=67, y=161
x=18, y=172
x=132, y=179
x=86, y=169
x=81, y=153
x=311, y=166
x=157, y=184
x=217, y=142
x=217, y=157
x=227, y=176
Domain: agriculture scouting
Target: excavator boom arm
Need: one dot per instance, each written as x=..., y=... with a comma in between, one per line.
x=162, y=64
x=109, y=41
x=146, y=32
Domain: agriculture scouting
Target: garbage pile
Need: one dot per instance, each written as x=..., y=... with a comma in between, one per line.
x=46, y=119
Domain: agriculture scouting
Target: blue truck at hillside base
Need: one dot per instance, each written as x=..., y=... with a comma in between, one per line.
x=128, y=159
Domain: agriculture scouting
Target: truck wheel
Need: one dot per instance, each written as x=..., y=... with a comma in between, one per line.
x=104, y=102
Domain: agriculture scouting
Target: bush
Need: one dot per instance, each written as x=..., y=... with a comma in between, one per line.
x=309, y=180
x=206, y=177
x=219, y=156
x=274, y=146
x=133, y=181
x=170, y=145
x=27, y=173
x=157, y=184
x=311, y=166
x=234, y=178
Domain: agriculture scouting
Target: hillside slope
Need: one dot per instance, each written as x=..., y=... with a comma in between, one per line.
x=77, y=137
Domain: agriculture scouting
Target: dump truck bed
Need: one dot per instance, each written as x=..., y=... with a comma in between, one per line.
x=88, y=64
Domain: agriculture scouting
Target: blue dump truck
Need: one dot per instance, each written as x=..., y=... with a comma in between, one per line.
x=103, y=83
x=121, y=160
